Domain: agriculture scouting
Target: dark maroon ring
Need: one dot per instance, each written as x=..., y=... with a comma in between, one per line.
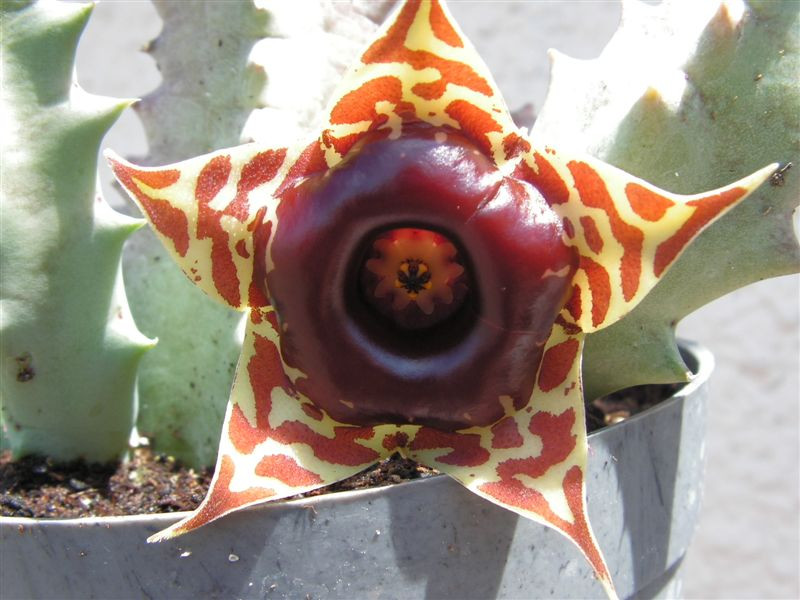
x=452, y=367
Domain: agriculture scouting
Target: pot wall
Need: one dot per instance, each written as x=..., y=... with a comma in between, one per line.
x=426, y=539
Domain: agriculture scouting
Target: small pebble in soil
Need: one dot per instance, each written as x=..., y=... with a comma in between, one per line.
x=77, y=485
x=617, y=417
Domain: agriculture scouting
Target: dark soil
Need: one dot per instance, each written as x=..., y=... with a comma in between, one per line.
x=154, y=483
x=623, y=404
x=148, y=483
x=34, y=486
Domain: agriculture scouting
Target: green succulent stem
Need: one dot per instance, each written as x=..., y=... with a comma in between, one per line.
x=69, y=348
x=237, y=80
x=209, y=89
x=688, y=101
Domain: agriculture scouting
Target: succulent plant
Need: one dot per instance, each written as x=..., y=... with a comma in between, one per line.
x=709, y=93
x=418, y=277
x=69, y=347
x=205, y=80
x=235, y=80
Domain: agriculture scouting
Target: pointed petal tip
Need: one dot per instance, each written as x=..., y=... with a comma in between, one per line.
x=609, y=588
x=762, y=175
x=167, y=534
x=115, y=161
x=158, y=537
x=112, y=157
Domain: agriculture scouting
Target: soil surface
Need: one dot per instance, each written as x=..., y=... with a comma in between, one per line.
x=35, y=486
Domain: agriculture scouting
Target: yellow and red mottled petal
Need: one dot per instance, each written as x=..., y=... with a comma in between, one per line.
x=272, y=446
x=557, y=363
x=260, y=170
x=706, y=210
x=630, y=231
x=591, y=234
x=395, y=442
x=598, y=284
x=528, y=501
x=310, y=160
x=442, y=27
x=646, y=203
x=291, y=473
x=558, y=442
x=574, y=304
x=593, y=192
x=461, y=449
x=505, y=434
x=206, y=211
x=217, y=502
x=169, y=221
x=515, y=145
x=421, y=68
x=533, y=461
x=544, y=177
x=359, y=105
x=476, y=122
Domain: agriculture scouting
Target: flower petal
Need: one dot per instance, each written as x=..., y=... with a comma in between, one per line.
x=420, y=69
x=532, y=461
x=211, y=213
x=627, y=231
x=275, y=443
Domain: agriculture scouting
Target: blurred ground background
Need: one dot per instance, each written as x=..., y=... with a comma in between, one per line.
x=747, y=543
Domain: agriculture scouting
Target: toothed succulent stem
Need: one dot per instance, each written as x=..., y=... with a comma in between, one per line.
x=209, y=89
x=688, y=97
x=215, y=91
x=69, y=347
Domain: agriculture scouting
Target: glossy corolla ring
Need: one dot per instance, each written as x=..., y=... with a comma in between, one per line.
x=494, y=250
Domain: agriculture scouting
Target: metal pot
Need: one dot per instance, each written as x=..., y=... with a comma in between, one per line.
x=428, y=538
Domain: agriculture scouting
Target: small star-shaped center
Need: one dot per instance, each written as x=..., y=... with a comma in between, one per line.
x=413, y=276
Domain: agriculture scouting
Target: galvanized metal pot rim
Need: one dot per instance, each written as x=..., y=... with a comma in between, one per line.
x=704, y=367
x=427, y=538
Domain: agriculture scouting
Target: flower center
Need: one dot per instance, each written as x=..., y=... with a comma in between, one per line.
x=415, y=284
x=414, y=277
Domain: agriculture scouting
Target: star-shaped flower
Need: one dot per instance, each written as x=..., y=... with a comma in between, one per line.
x=419, y=279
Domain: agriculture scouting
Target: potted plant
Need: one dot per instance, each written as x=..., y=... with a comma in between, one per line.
x=291, y=424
